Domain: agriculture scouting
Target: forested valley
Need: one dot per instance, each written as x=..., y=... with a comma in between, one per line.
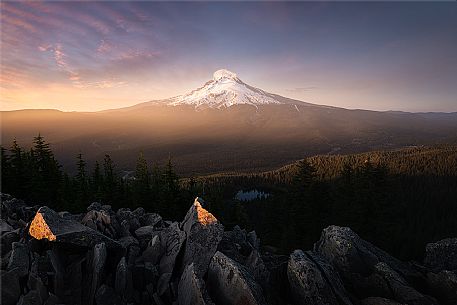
x=399, y=200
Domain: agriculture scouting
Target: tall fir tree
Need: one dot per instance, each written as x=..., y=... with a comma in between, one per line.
x=141, y=184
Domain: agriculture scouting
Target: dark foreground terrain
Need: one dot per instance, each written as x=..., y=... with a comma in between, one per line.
x=104, y=256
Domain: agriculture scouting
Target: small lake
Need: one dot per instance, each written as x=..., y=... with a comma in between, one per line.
x=251, y=195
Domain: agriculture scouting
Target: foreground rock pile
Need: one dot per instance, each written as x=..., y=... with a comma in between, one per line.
x=134, y=257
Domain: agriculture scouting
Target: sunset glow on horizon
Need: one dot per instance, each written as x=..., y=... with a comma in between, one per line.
x=90, y=56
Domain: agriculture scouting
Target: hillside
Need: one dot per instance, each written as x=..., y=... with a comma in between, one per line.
x=387, y=196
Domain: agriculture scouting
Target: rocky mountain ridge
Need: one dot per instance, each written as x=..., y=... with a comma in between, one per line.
x=104, y=256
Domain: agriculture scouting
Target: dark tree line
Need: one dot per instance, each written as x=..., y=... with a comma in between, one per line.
x=36, y=176
x=398, y=200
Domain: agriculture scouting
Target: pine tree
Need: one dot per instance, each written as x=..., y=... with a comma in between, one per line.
x=141, y=185
x=111, y=187
x=46, y=174
x=96, y=183
x=170, y=199
x=6, y=172
x=81, y=181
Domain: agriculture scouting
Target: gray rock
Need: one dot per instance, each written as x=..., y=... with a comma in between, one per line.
x=95, y=263
x=128, y=241
x=138, y=212
x=253, y=240
x=47, y=224
x=107, y=296
x=10, y=287
x=31, y=298
x=7, y=239
x=35, y=283
x=68, y=277
x=121, y=277
x=97, y=206
x=163, y=283
x=151, y=219
x=145, y=234
x=191, y=289
x=124, y=228
x=5, y=227
x=442, y=255
x=204, y=232
x=400, y=289
x=443, y=286
x=234, y=244
x=102, y=221
x=313, y=281
x=157, y=299
x=254, y=263
x=52, y=300
x=355, y=258
x=379, y=301
x=229, y=283
x=19, y=259
x=172, y=239
x=153, y=252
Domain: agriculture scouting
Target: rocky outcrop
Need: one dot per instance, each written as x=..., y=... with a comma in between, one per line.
x=313, y=280
x=356, y=259
x=229, y=283
x=191, y=289
x=204, y=232
x=442, y=255
x=135, y=257
x=47, y=224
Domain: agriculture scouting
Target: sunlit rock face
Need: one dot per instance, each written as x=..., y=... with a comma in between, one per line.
x=204, y=233
x=39, y=229
x=47, y=224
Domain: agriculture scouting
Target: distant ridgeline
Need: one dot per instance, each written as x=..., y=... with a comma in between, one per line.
x=398, y=199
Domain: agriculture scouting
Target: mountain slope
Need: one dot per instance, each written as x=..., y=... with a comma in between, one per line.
x=226, y=125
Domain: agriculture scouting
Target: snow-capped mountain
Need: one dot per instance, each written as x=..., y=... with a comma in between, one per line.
x=223, y=91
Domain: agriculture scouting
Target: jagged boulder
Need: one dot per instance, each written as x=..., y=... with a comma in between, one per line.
x=355, y=259
x=399, y=289
x=191, y=289
x=107, y=296
x=7, y=240
x=121, y=277
x=100, y=221
x=313, y=280
x=235, y=245
x=19, y=259
x=5, y=227
x=47, y=224
x=443, y=285
x=151, y=219
x=153, y=252
x=10, y=290
x=172, y=239
x=442, y=255
x=229, y=283
x=204, y=232
x=96, y=260
x=31, y=298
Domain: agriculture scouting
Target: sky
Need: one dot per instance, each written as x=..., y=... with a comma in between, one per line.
x=89, y=56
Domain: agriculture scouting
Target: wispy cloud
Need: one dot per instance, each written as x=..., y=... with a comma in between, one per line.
x=301, y=89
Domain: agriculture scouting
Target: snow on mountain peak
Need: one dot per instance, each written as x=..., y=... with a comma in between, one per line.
x=223, y=73
x=223, y=91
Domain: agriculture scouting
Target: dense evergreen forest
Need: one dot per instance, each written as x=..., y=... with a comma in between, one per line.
x=399, y=199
